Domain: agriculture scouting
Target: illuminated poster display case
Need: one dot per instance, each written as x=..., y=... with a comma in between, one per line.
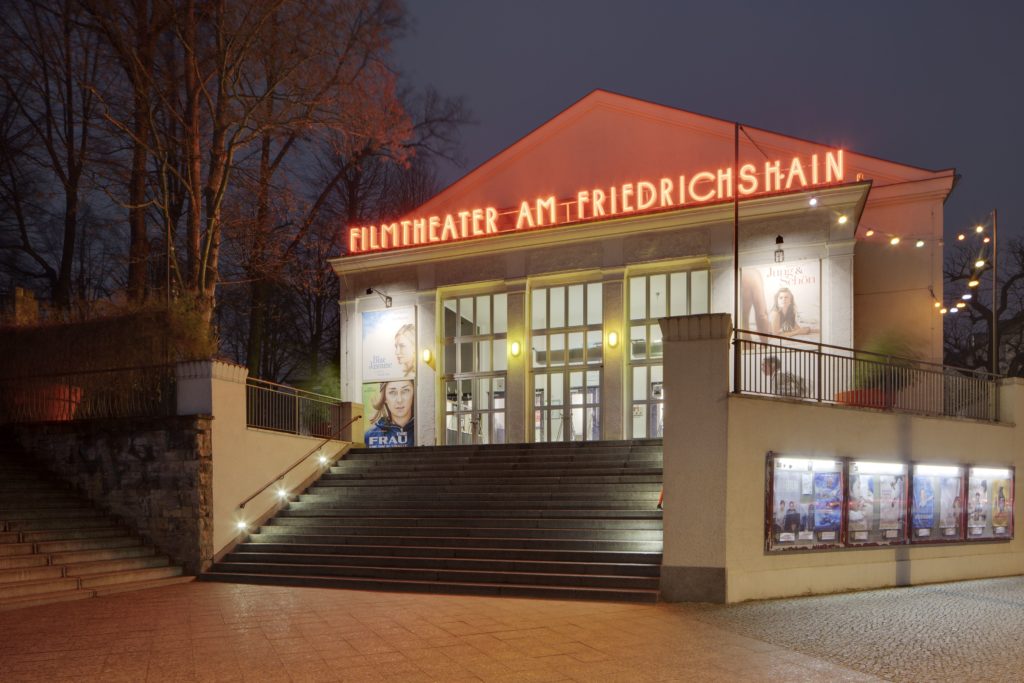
x=805, y=501
x=937, y=510
x=990, y=503
x=876, y=508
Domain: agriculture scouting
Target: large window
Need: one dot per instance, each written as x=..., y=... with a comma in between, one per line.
x=474, y=368
x=565, y=357
x=652, y=297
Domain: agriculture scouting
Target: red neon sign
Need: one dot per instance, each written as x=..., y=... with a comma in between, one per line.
x=600, y=203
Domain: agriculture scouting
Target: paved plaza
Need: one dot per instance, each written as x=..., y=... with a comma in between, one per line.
x=223, y=632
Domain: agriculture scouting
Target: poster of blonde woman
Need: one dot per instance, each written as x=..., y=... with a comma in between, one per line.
x=389, y=345
x=782, y=299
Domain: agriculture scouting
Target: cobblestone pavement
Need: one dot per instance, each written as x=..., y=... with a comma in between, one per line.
x=222, y=632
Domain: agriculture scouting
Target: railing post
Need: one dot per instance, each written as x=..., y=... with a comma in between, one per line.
x=737, y=356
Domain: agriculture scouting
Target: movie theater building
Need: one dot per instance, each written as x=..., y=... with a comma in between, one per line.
x=521, y=304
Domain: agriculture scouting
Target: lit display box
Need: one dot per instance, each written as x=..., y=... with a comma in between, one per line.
x=876, y=508
x=937, y=509
x=805, y=501
x=990, y=503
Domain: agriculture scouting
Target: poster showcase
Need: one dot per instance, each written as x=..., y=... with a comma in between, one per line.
x=876, y=507
x=990, y=503
x=389, y=378
x=806, y=502
x=938, y=503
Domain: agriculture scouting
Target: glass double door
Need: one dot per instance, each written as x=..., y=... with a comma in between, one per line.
x=566, y=362
x=475, y=366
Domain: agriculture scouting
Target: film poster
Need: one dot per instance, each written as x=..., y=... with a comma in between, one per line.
x=1001, y=503
x=949, y=503
x=389, y=358
x=783, y=299
x=862, y=501
x=827, y=501
x=923, y=515
x=891, y=499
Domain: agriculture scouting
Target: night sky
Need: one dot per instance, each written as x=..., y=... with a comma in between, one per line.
x=930, y=84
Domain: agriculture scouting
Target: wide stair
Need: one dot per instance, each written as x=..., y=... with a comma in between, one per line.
x=536, y=520
x=54, y=546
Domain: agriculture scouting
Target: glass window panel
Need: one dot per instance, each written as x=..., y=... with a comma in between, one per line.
x=499, y=426
x=657, y=373
x=576, y=309
x=500, y=355
x=556, y=349
x=451, y=395
x=483, y=428
x=576, y=387
x=639, y=421
x=466, y=316
x=499, y=392
x=659, y=295
x=678, y=304
x=594, y=387
x=638, y=341
x=594, y=424
x=556, y=299
x=465, y=357
x=540, y=351
x=637, y=298
x=640, y=384
x=595, y=303
x=483, y=356
x=576, y=347
x=449, y=358
x=595, y=349
x=500, y=313
x=483, y=315
x=538, y=309
x=656, y=427
x=698, y=292
x=451, y=318
x=655, y=339
x=579, y=431
x=483, y=393
x=557, y=389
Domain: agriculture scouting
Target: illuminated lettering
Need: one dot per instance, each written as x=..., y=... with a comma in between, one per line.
x=491, y=218
x=435, y=224
x=464, y=224
x=598, y=203
x=449, y=233
x=682, y=190
x=772, y=172
x=796, y=169
x=615, y=208
x=525, y=215
x=724, y=183
x=582, y=199
x=419, y=231
x=833, y=166
x=374, y=243
x=406, y=227
x=389, y=235
x=814, y=169
x=702, y=177
x=748, y=179
x=355, y=240
x=627, y=196
x=548, y=204
x=478, y=218
x=666, y=191
x=645, y=188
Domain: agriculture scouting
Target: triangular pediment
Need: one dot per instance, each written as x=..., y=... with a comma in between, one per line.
x=606, y=139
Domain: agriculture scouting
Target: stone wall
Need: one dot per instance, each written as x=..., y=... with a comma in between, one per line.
x=154, y=473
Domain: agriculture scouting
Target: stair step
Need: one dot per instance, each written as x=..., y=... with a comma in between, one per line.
x=315, y=508
x=146, y=584
x=452, y=542
x=22, y=574
x=14, y=549
x=9, y=536
x=15, y=561
x=289, y=516
x=25, y=588
x=94, y=555
x=127, y=564
x=484, y=589
x=37, y=599
x=10, y=514
x=75, y=536
x=317, y=527
x=70, y=522
x=132, y=576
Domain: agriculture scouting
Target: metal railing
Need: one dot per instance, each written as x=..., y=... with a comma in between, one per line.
x=281, y=408
x=770, y=365
x=148, y=391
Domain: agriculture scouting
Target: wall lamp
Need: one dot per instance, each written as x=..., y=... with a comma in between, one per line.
x=427, y=356
x=515, y=349
x=780, y=255
x=613, y=339
x=384, y=297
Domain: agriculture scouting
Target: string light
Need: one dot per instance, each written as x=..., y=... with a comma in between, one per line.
x=961, y=237
x=979, y=228
x=869, y=233
x=966, y=297
x=894, y=241
x=919, y=244
x=980, y=263
x=973, y=282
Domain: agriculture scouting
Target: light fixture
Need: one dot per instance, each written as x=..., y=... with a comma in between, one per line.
x=961, y=237
x=282, y=493
x=894, y=241
x=919, y=244
x=515, y=349
x=322, y=459
x=813, y=201
x=780, y=255
x=986, y=240
x=966, y=297
x=980, y=263
x=937, y=304
x=384, y=297
x=613, y=339
x=979, y=228
x=973, y=282
x=242, y=526
x=843, y=219
x=943, y=310
x=953, y=309
x=869, y=233
x=960, y=304
x=427, y=356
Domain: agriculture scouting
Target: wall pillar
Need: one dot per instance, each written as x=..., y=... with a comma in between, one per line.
x=696, y=454
x=613, y=409
x=517, y=382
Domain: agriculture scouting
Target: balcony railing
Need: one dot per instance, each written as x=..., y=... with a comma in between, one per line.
x=281, y=408
x=88, y=395
x=769, y=365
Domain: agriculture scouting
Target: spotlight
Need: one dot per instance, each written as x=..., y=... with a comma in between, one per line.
x=986, y=240
x=242, y=526
x=813, y=201
x=323, y=459
x=954, y=309
x=281, y=493
x=937, y=304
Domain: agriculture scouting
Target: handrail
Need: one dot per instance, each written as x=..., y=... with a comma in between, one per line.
x=241, y=506
x=285, y=388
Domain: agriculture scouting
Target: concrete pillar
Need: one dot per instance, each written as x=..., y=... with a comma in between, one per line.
x=696, y=450
x=202, y=384
x=613, y=411
x=429, y=413
x=518, y=398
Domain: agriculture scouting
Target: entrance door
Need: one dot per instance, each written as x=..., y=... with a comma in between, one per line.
x=475, y=365
x=566, y=346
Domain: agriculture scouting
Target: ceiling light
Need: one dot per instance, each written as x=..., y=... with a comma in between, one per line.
x=813, y=201
x=894, y=241
x=842, y=220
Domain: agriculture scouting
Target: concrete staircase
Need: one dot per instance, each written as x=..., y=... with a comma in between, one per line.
x=54, y=546
x=538, y=520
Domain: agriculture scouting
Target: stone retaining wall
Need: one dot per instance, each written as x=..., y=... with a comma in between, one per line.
x=154, y=473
